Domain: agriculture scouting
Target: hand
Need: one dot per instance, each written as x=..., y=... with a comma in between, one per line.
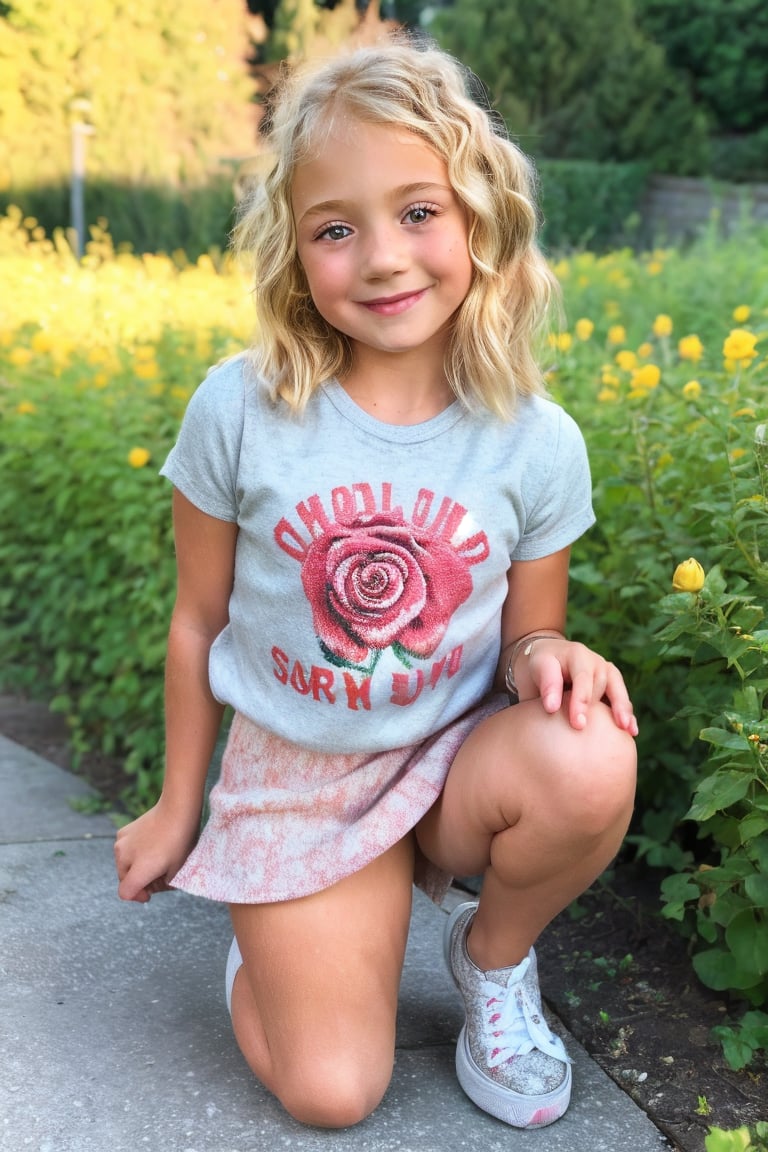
x=150, y=851
x=554, y=665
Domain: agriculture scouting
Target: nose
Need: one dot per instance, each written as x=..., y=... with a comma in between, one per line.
x=384, y=253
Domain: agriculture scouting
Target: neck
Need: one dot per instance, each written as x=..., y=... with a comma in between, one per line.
x=400, y=389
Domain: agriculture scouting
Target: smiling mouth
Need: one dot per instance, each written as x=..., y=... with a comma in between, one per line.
x=393, y=305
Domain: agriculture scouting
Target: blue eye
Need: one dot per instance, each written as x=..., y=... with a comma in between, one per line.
x=335, y=232
x=418, y=214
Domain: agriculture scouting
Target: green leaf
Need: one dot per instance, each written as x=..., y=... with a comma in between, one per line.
x=724, y=739
x=717, y=792
x=756, y=888
x=747, y=937
x=718, y=969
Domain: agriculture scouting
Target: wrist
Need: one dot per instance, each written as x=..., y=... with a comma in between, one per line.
x=524, y=647
x=181, y=807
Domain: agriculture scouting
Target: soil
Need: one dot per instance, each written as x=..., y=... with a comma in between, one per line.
x=616, y=973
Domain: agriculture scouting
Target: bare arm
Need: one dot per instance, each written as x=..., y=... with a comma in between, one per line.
x=536, y=605
x=150, y=850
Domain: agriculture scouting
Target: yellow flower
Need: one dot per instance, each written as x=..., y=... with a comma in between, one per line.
x=739, y=346
x=146, y=369
x=745, y=412
x=617, y=334
x=637, y=393
x=692, y=390
x=560, y=340
x=742, y=313
x=626, y=360
x=138, y=457
x=690, y=348
x=607, y=395
x=26, y=408
x=662, y=325
x=645, y=350
x=584, y=328
x=647, y=376
x=610, y=379
x=19, y=356
x=144, y=352
x=689, y=576
x=655, y=267
x=737, y=454
x=41, y=342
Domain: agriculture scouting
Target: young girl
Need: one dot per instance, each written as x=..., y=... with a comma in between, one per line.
x=373, y=513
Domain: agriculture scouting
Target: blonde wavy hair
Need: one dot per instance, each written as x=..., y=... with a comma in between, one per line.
x=490, y=358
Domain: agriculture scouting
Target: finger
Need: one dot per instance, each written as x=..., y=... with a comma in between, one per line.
x=618, y=698
x=587, y=687
x=127, y=892
x=547, y=675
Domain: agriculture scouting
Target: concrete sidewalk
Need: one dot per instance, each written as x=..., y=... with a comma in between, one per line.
x=114, y=1035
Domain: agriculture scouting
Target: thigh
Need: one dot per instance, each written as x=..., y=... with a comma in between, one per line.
x=324, y=974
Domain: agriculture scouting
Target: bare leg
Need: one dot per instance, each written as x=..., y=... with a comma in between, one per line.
x=314, y=1006
x=538, y=808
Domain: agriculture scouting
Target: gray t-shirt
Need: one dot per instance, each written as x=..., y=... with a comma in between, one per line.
x=372, y=559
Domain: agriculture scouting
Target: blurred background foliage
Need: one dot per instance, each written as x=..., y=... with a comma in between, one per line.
x=599, y=95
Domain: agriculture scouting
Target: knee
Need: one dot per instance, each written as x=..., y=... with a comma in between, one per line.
x=596, y=782
x=333, y=1094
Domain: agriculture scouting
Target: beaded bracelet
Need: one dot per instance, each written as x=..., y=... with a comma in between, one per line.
x=528, y=641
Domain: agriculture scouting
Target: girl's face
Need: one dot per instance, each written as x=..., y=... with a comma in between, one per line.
x=382, y=238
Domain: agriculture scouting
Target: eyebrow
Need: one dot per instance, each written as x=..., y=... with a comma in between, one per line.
x=404, y=190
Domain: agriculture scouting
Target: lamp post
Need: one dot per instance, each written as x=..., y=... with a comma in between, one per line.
x=80, y=132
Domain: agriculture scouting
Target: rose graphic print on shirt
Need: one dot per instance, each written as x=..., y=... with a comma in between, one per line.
x=376, y=578
x=379, y=582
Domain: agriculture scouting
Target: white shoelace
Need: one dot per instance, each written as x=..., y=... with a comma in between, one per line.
x=514, y=1024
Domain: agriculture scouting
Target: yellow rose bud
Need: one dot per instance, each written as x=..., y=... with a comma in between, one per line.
x=626, y=360
x=138, y=457
x=742, y=313
x=690, y=348
x=692, y=390
x=647, y=376
x=662, y=325
x=739, y=345
x=689, y=576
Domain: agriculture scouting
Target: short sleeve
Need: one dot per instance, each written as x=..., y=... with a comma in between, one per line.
x=204, y=462
x=562, y=508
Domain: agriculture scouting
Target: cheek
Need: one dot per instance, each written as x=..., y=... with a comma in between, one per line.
x=325, y=277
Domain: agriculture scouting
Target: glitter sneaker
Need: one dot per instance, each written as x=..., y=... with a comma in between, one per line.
x=507, y=1059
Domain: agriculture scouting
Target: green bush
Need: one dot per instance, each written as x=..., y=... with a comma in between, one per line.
x=585, y=204
x=145, y=218
x=91, y=395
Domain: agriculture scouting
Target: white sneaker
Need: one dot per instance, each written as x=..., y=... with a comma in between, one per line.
x=508, y=1061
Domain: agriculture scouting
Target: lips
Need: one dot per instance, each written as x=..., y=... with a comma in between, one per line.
x=393, y=305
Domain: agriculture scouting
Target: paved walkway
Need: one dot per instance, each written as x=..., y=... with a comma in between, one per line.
x=114, y=1035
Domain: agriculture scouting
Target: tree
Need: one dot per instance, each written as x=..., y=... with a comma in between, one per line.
x=577, y=80
x=167, y=85
x=723, y=46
